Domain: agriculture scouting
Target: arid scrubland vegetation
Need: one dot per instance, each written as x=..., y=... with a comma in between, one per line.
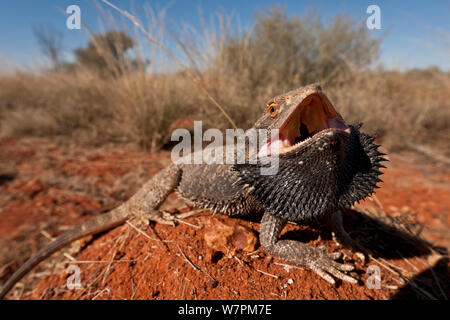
x=114, y=92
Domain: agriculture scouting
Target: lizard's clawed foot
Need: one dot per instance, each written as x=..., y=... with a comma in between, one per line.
x=300, y=254
x=325, y=266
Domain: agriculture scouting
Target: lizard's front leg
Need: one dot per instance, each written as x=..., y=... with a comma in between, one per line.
x=298, y=253
x=145, y=203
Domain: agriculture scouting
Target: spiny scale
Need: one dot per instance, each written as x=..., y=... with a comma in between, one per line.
x=333, y=172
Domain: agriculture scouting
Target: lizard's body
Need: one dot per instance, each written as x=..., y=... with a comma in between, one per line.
x=224, y=189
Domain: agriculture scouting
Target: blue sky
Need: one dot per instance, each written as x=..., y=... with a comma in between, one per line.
x=416, y=33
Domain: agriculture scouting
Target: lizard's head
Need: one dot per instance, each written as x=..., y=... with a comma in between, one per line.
x=323, y=163
x=299, y=115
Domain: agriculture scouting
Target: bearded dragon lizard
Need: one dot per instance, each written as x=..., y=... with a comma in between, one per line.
x=324, y=165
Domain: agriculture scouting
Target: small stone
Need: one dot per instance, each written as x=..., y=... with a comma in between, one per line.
x=290, y=281
x=220, y=236
x=287, y=268
x=361, y=256
x=393, y=208
x=212, y=283
x=33, y=187
x=405, y=209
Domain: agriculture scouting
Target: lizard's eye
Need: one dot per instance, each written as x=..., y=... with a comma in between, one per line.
x=272, y=109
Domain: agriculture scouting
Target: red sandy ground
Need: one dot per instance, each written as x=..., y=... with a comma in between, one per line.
x=57, y=186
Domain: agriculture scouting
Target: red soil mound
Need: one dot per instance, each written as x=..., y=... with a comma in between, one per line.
x=55, y=187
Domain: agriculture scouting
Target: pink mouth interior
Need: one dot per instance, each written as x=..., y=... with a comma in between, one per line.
x=312, y=116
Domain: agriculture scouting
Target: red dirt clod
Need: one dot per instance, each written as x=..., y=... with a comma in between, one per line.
x=220, y=236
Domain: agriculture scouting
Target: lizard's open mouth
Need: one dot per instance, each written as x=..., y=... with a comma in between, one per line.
x=312, y=116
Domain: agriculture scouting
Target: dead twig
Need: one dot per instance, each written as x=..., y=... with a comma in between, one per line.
x=268, y=274
x=146, y=235
x=187, y=259
x=195, y=267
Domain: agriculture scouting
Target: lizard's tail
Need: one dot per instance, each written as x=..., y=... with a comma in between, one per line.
x=148, y=198
x=92, y=226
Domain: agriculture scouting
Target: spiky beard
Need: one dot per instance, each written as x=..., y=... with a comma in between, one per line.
x=331, y=173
